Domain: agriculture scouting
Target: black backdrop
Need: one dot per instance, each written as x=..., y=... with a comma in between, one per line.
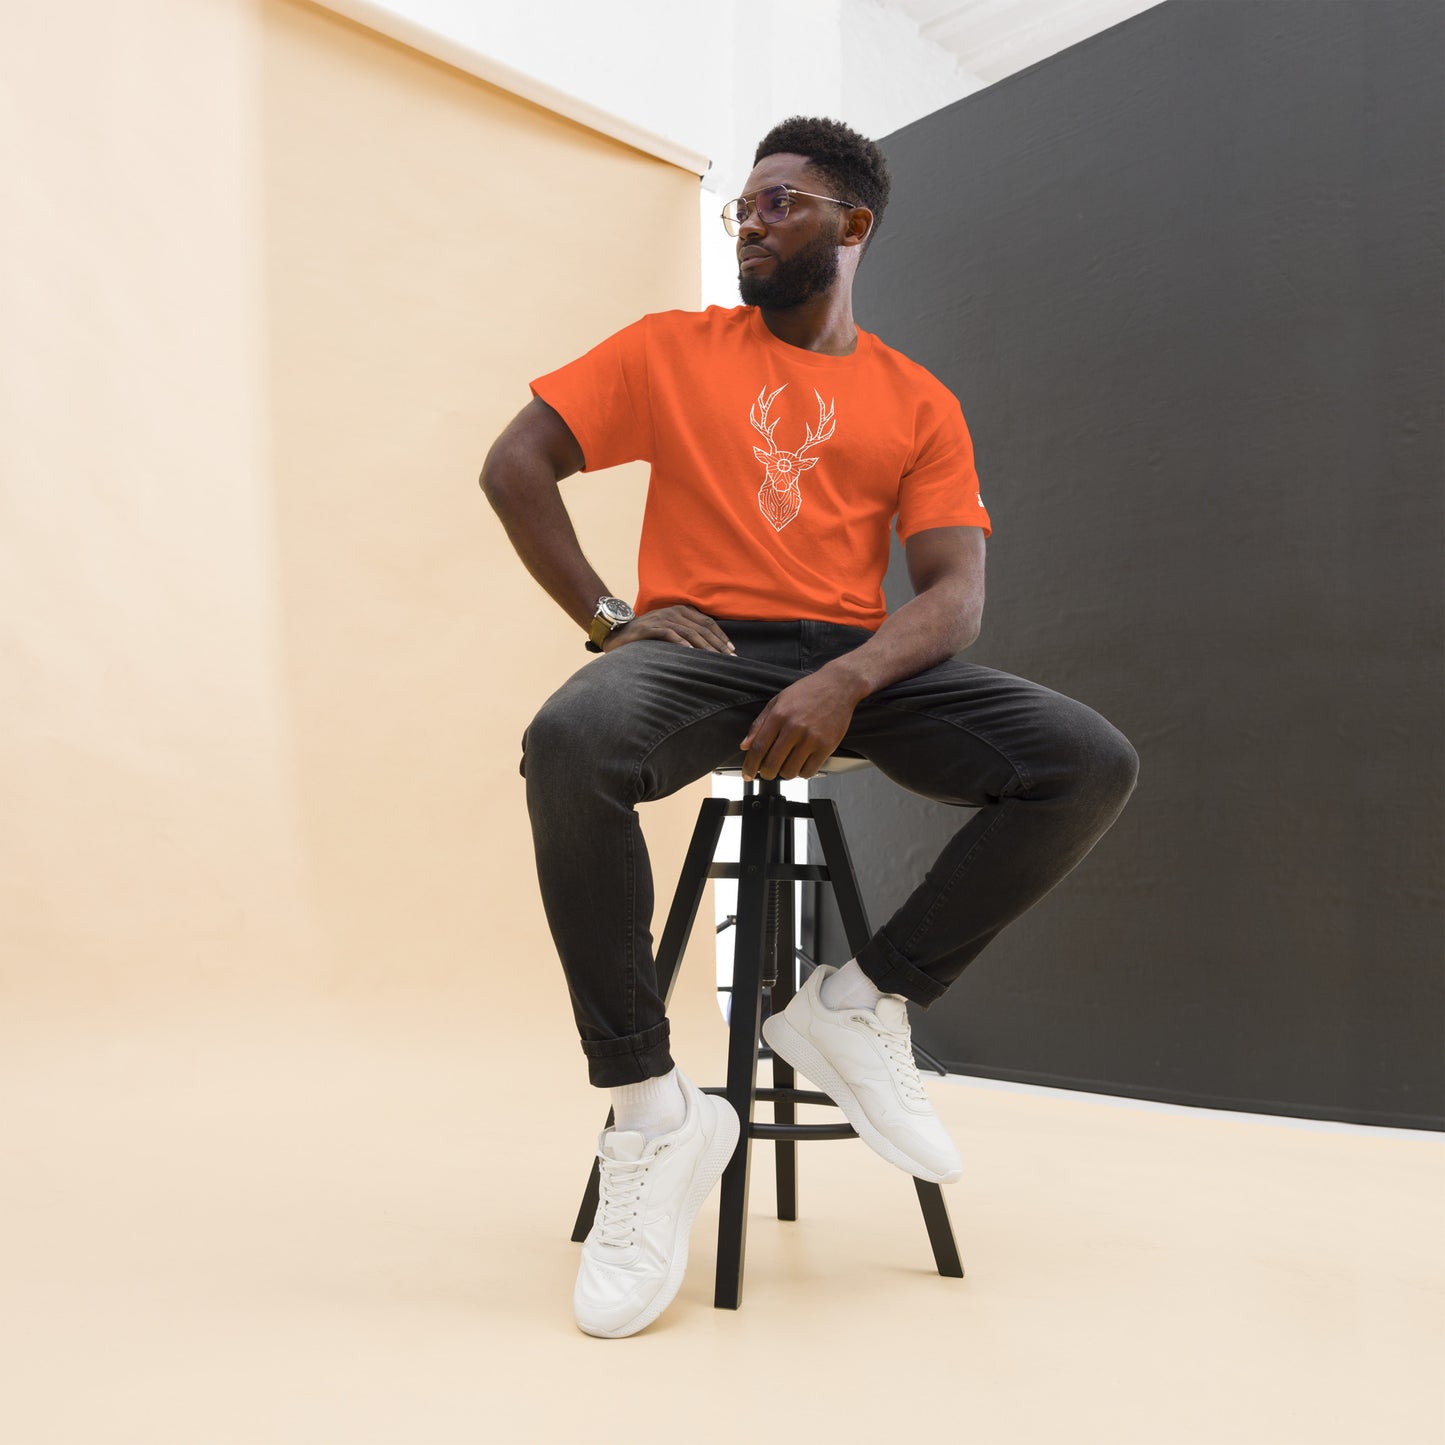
x=1186, y=279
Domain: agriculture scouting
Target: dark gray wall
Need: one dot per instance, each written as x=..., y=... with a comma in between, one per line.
x=1186, y=280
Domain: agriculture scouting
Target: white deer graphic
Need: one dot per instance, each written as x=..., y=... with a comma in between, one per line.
x=779, y=496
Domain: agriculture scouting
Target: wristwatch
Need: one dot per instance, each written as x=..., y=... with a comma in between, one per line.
x=612, y=613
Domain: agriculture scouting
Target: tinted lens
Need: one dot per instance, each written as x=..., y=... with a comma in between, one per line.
x=773, y=204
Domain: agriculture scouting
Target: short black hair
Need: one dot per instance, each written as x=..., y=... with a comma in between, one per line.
x=852, y=163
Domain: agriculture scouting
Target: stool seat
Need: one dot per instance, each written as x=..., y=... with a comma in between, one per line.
x=838, y=763
x=765, y=973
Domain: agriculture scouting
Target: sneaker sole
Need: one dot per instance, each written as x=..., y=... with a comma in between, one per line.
x=786, y=1041
x=714, y=1160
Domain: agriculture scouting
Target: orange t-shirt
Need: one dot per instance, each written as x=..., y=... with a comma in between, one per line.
x=776, y=472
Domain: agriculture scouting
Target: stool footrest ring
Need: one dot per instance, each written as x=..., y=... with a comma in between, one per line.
x=779, y=1096
x=802, y=1131
x=776, y=872
x=795, y=1132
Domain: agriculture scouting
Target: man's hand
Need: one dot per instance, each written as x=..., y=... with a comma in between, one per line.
x=800, y=728
x=804, y=724
x=681, y=624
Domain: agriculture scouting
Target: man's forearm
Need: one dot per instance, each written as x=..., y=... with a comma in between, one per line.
x=804, y=724
x=946, y=567
x=934, y=626
x=525, y=496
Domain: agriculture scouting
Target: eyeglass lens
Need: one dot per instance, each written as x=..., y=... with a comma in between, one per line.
x=771, y=204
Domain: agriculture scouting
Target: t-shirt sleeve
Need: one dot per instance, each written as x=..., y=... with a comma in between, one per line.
x=941, y=488
x=603, y=397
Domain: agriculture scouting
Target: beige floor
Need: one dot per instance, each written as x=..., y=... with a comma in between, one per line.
x=328, y=1223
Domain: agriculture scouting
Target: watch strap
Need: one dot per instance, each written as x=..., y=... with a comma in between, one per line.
x=598, y=632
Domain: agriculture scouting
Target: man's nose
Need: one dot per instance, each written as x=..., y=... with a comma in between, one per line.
x=752, y=226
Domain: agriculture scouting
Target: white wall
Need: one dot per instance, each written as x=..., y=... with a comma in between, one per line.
x=713, y=75
x=853, y=59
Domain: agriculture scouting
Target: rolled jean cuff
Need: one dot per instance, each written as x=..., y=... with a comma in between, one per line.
x=891, y=972
x=614, y=1062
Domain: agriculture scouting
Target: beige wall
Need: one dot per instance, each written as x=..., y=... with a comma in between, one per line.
x=265, y=655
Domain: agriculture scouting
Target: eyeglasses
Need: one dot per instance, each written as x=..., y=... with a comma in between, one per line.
x=771, y=204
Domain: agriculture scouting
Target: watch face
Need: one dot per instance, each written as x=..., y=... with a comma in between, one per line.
x=615, y=610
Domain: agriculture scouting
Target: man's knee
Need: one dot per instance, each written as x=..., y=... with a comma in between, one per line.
x=1119, y=765
x=1108, y=766
x=558, y=737
x=586, y=738
x=1096, y=764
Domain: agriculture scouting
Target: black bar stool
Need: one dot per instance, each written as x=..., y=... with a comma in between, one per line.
x=765, y=962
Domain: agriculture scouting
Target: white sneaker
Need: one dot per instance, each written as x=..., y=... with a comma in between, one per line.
x=635, y=1256
x=863, y=1060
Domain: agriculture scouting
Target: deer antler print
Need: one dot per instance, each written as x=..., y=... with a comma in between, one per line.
x=825, y=427
x=759, y=414
x=779, y=497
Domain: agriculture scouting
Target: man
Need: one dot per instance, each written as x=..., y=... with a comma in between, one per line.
x=784, y=444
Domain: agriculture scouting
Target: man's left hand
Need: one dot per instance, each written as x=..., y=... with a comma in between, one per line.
x=800, y=728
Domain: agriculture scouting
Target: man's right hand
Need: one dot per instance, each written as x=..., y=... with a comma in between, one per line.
x=680, y=624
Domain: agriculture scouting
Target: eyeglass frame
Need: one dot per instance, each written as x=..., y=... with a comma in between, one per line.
x=733, y=225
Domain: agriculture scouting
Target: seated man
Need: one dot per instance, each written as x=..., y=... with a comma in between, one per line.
x=784, y=443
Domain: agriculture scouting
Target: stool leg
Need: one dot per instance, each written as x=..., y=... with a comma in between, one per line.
x=785, y=967
x=691, y=884
x=587, y=1211
x=839, y=863
x=745, y=1019
x=940, y=1231
x=855, y=924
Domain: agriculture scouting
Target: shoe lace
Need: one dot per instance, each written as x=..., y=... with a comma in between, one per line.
x=898, y=1046
x=619, y=1207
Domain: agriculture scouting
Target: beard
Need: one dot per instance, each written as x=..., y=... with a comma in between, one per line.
x=810, y=273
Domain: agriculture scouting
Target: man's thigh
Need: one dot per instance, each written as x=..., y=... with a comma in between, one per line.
x=961, y=733
x=656, y=714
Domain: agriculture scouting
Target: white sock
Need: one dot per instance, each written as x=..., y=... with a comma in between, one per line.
x=850, y=987
x=653, y=1107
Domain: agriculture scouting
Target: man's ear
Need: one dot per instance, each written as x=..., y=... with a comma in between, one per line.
x=857, y=226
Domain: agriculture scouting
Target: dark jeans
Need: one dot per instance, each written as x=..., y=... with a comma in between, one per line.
x=1047, y=774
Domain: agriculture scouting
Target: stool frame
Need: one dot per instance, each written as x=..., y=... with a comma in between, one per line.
x=764, y=960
